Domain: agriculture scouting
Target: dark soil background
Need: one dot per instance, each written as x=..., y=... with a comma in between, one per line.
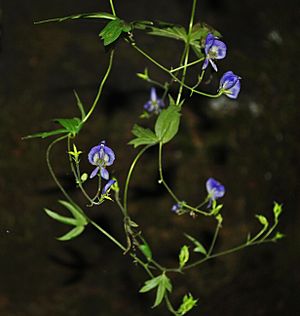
x=251, y=145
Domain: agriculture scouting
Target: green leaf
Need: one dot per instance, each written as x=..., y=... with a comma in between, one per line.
x=72, y=125
x=76, y=231
x=188, y=302
x=278, y=236
x=199, y=247
x=76, y=211
x=263, y=220
x=93, y=15
x=277, y=210
x=183, y=256
x=167, y=123
x=46, y=134
x=141, y=24
x=113, y=30
x=144, y=136
x=60, y=218
x=145, y=249
x=175, y=32
x=80, y=105
x=163, y=286
x=150, y=284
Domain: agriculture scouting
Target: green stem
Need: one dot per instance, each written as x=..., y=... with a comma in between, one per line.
x=214, y=239
x=172, y=75
x=112, y=7
x=187, y=52
x=161, y=177
x=111, y=57
x=51, y=168
x=222, y=253
x=187, y=65
x=76, y=173
x=138, y=156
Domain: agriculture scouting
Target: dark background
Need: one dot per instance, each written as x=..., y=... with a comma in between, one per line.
x=251, y=145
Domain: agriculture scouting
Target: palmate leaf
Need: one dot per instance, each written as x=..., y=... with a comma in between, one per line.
x=113, y=30
x=162, y=283
x=93, y=15
x=72, y=125
x=144, y=136
x=175, y=32
x=78, y=220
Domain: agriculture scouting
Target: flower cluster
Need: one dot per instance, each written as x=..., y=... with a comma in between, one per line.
x=215, y=49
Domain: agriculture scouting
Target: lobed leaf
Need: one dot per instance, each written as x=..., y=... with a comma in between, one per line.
x=76, y=231
x=72, y=125
x=199, y=247
x=113, y=30
x=76, y=211
x=144, y=136
x=60, y=218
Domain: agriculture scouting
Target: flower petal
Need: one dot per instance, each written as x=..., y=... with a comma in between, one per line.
x=234, y=91
x=93, y=174
x=213, y=65
x=108, y=185
x=94, y=151
x=104, y=173
x=153, y=95
x=214, y=188
x=205, y=64
x=220, y=49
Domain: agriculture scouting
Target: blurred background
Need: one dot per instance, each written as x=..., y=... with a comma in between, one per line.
x=251, y=145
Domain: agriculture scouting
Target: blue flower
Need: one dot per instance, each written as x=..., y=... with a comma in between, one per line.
x=176, y=208
x=214, y=49
x=101, y=156
x=214, y=189
x=230, y=85
x=108, y=186
x=154, y=105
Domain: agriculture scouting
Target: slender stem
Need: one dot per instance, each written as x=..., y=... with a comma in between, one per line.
x=76, y=173
x=138, y=156
x=187, y=52
x=51, y=168
x=161, y=177
x=111, y=57
x=195, y=209
x=187, y=65
x=222, y=253
x=170, y=306
x=112, y=7
x=214, y=239
x=172, y=75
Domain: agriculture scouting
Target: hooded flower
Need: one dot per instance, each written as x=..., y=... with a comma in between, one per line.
x=108, y=185
x=214, y=189
x=230, y=85
x=214, y=49
x=101, y=156
x=154, y=105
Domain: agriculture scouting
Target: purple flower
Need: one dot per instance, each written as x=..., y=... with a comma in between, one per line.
x=108, y=186
x=101, y=156
x=176, y=208
x=214, y=189
x=230, y=85
x=214, y=49
x=154, y=105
